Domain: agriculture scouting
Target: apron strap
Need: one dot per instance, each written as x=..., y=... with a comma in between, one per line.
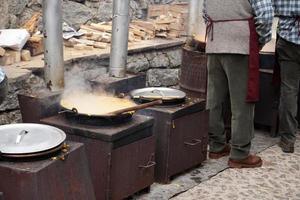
x=211, y=22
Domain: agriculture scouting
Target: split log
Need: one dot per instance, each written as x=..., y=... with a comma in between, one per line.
x=32, y=24
x=6, y=59
x=25, y=55
x=35, y=45
x=16, y=55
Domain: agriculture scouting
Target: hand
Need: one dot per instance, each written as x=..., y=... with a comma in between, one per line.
x=261, y=46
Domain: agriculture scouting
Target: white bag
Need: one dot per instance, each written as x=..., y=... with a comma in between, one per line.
x=14, y=38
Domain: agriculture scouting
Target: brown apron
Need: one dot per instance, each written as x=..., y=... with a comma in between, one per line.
x=253, y=76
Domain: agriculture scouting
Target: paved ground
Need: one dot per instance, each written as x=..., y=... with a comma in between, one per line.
x=198, y=183
x=278, y=179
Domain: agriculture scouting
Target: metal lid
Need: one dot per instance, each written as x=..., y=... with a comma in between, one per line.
x=2, y=75
x=29, y=138
x=158, y=93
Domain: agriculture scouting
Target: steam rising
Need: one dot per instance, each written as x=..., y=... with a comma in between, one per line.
x=79, y=94
x=77, y=82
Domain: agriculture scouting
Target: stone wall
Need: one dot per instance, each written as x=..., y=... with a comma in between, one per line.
x=13, y=13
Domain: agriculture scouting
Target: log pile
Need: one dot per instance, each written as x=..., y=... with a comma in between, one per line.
x=170, y=20
x=164, y=21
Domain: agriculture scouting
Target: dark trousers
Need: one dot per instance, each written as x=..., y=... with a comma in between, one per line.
x=228, y=74
x=289, y=61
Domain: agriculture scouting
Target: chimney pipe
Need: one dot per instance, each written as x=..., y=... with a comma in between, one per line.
x=119, y=45
x=53, y=44
x=194, y=15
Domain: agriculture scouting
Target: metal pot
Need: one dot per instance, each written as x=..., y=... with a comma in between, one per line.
x=29, y=140
x=3, y=86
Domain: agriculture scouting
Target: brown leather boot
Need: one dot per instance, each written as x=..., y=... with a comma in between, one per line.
x=252, y=161
x=286, y=147
x=220, y=154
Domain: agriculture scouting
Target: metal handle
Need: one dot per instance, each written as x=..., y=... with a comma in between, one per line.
x=150, y=164
x=73, y=111
x=20, y=136
x=196, y=142
x=158, y=92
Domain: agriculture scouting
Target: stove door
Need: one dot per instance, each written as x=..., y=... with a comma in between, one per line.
x=188, y=142
x=132, y=168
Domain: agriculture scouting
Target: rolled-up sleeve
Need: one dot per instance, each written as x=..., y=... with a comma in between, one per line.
x=263, y=15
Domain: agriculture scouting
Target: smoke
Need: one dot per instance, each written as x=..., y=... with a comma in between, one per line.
x=77, y=82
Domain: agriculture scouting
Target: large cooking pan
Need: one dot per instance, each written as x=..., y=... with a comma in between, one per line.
x=82, y=111
x=167, y=95
x=29, y=140
x=3, y=86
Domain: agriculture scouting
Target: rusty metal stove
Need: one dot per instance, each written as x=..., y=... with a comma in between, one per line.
x=48, y=178
x=181, y=133
x=121, y=157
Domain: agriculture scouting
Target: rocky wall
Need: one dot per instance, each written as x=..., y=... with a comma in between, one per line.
x=14, y=13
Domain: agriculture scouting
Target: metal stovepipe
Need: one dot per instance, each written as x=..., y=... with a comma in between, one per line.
x=53, y=44
x=119, y=46
x=194, y=15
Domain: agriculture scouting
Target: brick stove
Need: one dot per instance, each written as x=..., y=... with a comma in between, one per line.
x=181, y=133
x=121, y=157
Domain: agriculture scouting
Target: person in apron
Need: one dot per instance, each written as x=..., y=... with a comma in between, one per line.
x=288, y=58
x=236, y=30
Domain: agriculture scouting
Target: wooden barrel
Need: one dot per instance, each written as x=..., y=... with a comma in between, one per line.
x=193, y=78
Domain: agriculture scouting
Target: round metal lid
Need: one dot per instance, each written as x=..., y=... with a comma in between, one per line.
x=2, y=75
x=158, y=93
x=29, y=138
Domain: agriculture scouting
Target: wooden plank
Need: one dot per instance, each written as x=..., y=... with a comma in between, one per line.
x=146, y=25
x=100, y=45
x=102, y=27
x=157, y=10
x=2, y=51
x=80, y=46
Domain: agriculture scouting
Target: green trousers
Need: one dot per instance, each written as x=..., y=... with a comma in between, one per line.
x=228, y=74
x=289, y=61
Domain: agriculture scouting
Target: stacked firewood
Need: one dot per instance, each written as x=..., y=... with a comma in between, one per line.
x=98, y=35
x=164, y=21
x=34, y=44
x=170, y=20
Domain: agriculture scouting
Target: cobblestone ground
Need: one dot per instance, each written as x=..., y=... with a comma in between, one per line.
x=278, y=179
x=199, y=176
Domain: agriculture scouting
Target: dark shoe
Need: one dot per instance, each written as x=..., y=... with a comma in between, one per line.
x=287, y=147
x=220, y=154
x=252, y=161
